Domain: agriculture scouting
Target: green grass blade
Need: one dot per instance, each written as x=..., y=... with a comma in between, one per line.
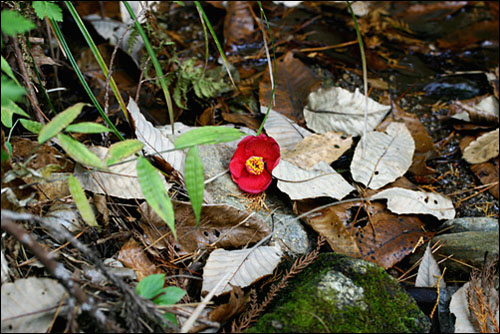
x=87, y=127
x=79, y=152
x=31, y=126
x=155, y=193
x=59, y=122
x=123, y=149
x=81, y=201
x=207, y=135
x=194, y=177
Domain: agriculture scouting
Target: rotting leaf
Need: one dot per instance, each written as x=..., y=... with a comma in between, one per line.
x=235, y=305
x=132, y=255
x=483, y=148
x=294, y=82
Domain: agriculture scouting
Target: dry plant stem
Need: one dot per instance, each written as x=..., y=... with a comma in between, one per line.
x=57, y=270
x=39, y=115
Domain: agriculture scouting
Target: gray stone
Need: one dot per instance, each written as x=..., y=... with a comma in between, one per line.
x=465, y=224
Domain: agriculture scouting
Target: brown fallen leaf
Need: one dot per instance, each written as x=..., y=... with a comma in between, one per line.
x=472, y=37
x=238, y=22
x=249, y=121
x=482, y=110
x=132, y=255
x=235, y=305
x=294, y=82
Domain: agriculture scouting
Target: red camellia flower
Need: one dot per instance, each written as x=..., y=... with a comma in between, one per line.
x=253, y=161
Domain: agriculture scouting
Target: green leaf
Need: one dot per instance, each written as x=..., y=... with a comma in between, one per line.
x=45, y=8
x=123, y=149
x=81, y=201
x=207, y=135
x=79, y=152
x=150, y=286
x=5, y=155
x=14, y=23
x=6, y=68
x=31, y=126
x=9, y=109
x=10, y=90
x=87, y=127
x=155, y=193
x=170, y=317
x=172, y=295
x=194, y=177
x=59, y=122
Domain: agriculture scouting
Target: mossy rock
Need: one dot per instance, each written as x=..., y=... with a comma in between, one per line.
x=341, y=294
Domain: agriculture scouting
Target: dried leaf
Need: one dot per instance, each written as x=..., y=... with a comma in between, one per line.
x=481, y=110
x=460, y=308
x=321, y=180
x=388, y=156
x=428, y=271
x=286, y=133
x=238, y=22
x=132, y=255
x=235, y=305
x=239, y=267
x=337, y=109
x=28, y=305
x=483, y=148
x=404, y=201
x=326, y=147
x=487, y=172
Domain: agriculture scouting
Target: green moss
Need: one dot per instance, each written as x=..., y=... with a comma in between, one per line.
x=389, y=308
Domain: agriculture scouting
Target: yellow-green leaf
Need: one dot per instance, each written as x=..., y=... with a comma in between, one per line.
x=194, y=178
x=31, y=126
x=207, y=135
x=9, y=109
x=81, y=201
x=155, y=193
x=59, y=122
x=79, y=152
x=87, y=127
x=123, y=149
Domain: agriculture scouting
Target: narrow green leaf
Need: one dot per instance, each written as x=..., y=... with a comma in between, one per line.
x=155, y=193
x=79, y=152
x=59, y=122
x=150, y=286
x=171, y=295
x=6, y=68
x=45, y=8
x=207, y=135
x=10, y=90
x=14, y=23
x=194, y=178
x=87, y=127
x=31, y=126
x=9, y=109
x=123, y=149
x=81, y=201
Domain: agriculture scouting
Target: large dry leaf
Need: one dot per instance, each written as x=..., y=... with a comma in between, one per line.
x=286, y=133
x=337, y=109
x=387, y=156
x=476, y=110
x=326, y=147
x=28, y=305
x=460, y=308
x=239, y=267
x=221, y=224
x=405, y=201
x=428, y=271
x=483, y=148
x=294, y=82
x=321, y=180
x=133, y=256
x=120, y=181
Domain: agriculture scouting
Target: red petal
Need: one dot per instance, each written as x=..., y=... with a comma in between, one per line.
x=254, y=184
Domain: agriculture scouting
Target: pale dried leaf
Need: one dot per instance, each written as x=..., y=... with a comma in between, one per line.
x=483, y=148
x=28, y=305
x=247, y=265
x=471, y=111
x=326, y=147
x=387, y=156
x=428, y=271
x=338, y=109
x=460, y=308
x=405, y=201
x=120, y=181
x=285, y=131
x=321, y=180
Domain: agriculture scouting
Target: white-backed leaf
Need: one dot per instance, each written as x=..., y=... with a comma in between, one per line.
x=405, y=201
x=460, y=308
x=207, y=135
x=285, y=131
x=387, y=156
x=321, y=180
x=81, y=201
x=483, y=148
x=31, y=126
x=87, y=127
x=428, y=271
x=337, y=109
x=9, y=109
x=156, y=195
x=59, y=122
x=123, y=149
x=194, y=179
x=248, y=265
x=79, y=152
x=29, y=304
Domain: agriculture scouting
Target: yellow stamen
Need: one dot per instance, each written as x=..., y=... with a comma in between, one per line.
x=255, y=165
